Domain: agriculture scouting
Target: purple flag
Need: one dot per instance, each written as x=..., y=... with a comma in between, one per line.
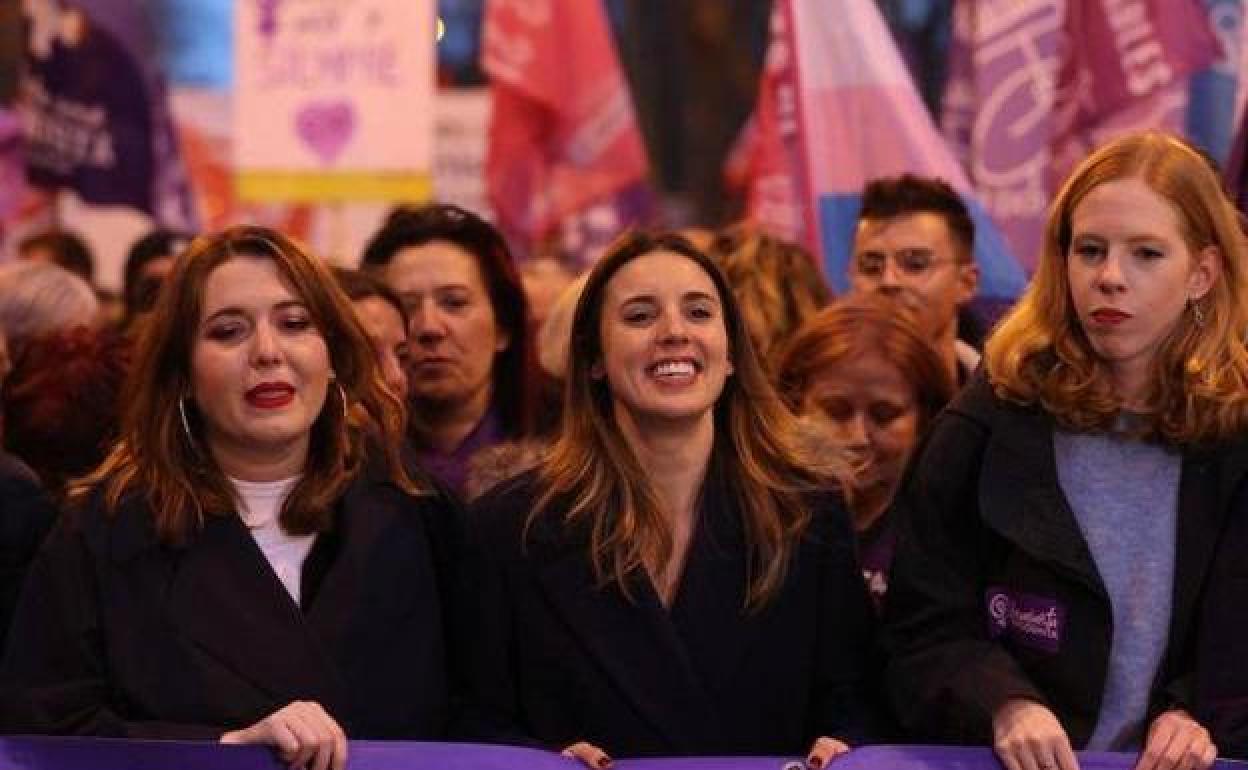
x=1034, y=84
x=103, y=754
x=94, y=109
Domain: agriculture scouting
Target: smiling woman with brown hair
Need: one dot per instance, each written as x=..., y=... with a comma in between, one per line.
x=229, y=572
x=677, y=576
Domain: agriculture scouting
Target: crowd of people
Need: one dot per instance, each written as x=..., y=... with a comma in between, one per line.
x=703, y=507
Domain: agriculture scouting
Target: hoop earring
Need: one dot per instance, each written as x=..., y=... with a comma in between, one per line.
x=342, y=393
x=1198, y=314
x=186, y=424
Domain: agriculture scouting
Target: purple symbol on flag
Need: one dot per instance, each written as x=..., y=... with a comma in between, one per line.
x=326, y=127
x=267, y=23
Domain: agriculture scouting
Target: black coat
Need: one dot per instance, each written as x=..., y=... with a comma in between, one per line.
x=554, y=657
x=118, y=635
x=981, y=518
x=26, y=515
x=1221, y=693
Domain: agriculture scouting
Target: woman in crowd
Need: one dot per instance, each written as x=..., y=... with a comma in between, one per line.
x=469, y=377
x=1020, y=612
x=231, y=570
x=385, y=321
x=869, y=380
x=675, y=577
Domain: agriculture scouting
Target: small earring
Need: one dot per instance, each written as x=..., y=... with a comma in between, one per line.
x=186, y=424
x=1198, y=314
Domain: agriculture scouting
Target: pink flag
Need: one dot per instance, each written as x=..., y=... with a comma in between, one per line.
x=563, y=135
x=1034, y=84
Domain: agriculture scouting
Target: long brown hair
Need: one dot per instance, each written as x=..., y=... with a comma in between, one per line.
x=174, y=470
x=1199, y=385
x=593, y=469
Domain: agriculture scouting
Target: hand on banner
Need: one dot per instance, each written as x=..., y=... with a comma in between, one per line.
x=824, y=751
x=590, y=755
x=1027, y=736
x=304, y=735
x=1177, y=742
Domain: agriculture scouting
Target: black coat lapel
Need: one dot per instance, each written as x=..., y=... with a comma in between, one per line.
x=1206, y=487
x=225, y=599
x=1021, y=498
x=633, y=641
x=709, y=607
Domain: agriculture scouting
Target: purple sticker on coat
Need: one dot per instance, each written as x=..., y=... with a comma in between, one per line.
x=1033, y=621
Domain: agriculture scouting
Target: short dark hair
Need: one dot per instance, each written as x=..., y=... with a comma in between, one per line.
x=514, y=368
x=68, y=250
x=896, y=196
x=139, y=295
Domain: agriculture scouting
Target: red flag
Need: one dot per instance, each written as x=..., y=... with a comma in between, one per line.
x=563, y=134
x=766, y=160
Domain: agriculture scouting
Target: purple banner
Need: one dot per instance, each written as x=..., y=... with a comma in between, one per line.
x=94, y=109
x=104, y=754
x=1035, y=84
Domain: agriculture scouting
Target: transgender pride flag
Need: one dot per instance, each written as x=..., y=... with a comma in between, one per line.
x=859, y=117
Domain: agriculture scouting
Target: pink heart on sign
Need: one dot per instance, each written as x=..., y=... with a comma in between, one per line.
x=326, y=127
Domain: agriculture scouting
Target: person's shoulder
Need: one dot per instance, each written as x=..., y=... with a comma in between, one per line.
x=118, y=531
x=503, y=512
x=979, y=403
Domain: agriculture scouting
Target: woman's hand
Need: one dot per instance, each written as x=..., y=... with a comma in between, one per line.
x=590, y=755
x=303, y=734
x=1177, y=742
x=1026, y=736
x=824, y=751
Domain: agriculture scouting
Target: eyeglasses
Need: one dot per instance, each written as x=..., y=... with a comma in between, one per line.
x=914, y=263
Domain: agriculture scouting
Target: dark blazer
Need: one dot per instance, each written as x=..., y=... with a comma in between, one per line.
x=118, y=635
x=983, y=527
x=26, y=515
x=1221, y=692
x=555, y=656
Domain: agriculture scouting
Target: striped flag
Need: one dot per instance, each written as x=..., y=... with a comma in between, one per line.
x=838, y=108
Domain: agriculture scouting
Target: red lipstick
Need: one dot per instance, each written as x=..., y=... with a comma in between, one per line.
x=1109, y=316
x=270, y=395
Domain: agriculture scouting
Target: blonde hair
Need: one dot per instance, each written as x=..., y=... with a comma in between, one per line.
x=777, y=285
x=1198, y=389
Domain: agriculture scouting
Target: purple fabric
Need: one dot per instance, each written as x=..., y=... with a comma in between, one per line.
x=107, y=754
x=95, y=112
x=451, y=468
x=875, y=557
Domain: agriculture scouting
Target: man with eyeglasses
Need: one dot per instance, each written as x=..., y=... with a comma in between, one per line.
x=914, y=242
